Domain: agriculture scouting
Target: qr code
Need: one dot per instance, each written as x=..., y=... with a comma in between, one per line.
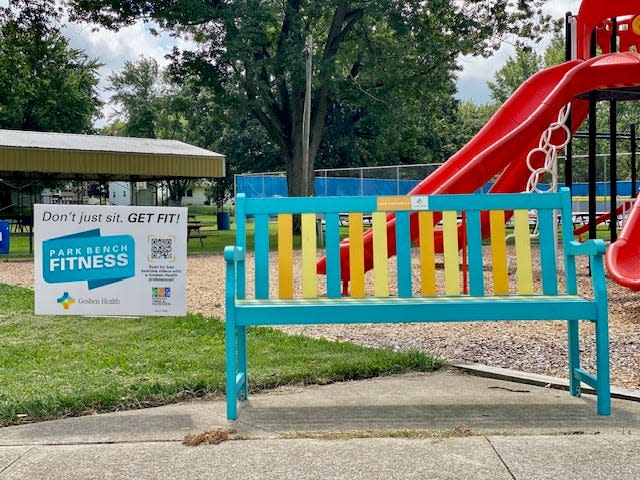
x=161, y=248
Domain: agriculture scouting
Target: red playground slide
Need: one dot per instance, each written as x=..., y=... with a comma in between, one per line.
x=623, y=256
x=605, y=217
x=501, y=147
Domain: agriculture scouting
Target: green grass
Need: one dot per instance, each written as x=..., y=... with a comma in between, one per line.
x=52, y=367
x=18, y=246
x=207, y=210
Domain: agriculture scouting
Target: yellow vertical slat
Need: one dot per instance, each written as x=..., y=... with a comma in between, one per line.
x=285, y=255
x=309, y=276
x=356, y=254
x=499, y=253
x=380, y=273
x=450, y=240
x=427, y=253
x=523, y=252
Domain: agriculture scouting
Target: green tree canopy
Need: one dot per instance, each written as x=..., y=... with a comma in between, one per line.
x=136, y=97
x=513, y=74
x=44, y=84
x=139, y=98
x=381, y=55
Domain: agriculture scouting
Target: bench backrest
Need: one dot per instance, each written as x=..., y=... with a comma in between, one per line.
x=446, y=223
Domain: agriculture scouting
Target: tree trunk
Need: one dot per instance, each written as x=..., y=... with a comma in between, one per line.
x=297, y=185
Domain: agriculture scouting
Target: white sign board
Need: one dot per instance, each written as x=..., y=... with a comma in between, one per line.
x=110, y=260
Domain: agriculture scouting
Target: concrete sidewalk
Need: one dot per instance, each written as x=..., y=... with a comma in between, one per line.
x=443, y=425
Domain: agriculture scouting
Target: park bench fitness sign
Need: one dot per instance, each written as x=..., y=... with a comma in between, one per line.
x=110, y=260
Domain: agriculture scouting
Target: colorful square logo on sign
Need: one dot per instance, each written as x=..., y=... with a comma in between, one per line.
x=88, y=256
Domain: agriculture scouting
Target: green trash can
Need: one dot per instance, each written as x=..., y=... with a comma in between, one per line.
x=224, y=220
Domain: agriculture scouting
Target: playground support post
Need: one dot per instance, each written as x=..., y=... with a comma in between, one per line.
x=613, y=147
x=568, y=161
x=592, y=165
x=593, y=128
x=634, y=172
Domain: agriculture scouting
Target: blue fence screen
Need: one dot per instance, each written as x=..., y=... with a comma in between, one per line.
x=254, y=186
x=276, y=186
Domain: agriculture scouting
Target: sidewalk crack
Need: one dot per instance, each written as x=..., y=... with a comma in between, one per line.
x=2, y=470
x=500, y=458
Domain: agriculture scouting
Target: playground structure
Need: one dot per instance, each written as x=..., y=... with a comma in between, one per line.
x=528, y=129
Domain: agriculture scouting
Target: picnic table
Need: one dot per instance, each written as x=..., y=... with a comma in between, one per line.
x=193, y=231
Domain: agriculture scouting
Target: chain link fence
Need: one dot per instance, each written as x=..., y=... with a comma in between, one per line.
x=387, y=180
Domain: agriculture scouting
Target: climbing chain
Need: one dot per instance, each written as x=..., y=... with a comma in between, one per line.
x=550, y=152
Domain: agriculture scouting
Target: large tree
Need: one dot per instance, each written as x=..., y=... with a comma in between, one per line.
x=137, y=97
x=513, y=74
x=523, y=65
x=143, y=106
x=146, y=103
x=44, y=84
x=384, y=51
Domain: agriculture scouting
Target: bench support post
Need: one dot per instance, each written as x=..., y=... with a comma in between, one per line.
x=231, y=371
x=241, y=335
x=602, y=360
x=602, y=368
x=601, y=380
x=235, y=336
x=573, y=329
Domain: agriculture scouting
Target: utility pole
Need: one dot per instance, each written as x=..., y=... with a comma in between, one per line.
x=306, y=118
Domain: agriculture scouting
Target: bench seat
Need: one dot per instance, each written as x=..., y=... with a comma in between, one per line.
x=413, y=310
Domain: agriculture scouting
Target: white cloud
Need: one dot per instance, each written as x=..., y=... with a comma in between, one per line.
x=113, y=49
x=476, y=71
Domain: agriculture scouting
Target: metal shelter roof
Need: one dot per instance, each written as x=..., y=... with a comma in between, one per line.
x=96, y=157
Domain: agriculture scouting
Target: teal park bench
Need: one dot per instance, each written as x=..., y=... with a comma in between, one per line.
x=460, y=292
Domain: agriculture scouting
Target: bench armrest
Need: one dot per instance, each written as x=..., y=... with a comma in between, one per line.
x=595, y=249
x=233, y=253
x=235, y=286
x=590, y=247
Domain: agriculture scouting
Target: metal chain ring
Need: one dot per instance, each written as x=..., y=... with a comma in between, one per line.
x=550, y=152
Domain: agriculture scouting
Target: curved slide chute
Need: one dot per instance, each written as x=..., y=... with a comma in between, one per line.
x=501, y=147
x=623, y=256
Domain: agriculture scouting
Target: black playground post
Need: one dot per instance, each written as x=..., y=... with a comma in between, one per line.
x=613, y=147
x=592, y=150
x=568, y=161
x=634, y=172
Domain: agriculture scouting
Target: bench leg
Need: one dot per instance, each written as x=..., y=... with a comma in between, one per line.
x=574, y=356
x=602, y=366
x=236, y=368
x=243, y=393
x=231, y=370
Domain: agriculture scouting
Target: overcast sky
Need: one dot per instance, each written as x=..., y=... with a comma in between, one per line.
x=114, y=49
x=472, y=82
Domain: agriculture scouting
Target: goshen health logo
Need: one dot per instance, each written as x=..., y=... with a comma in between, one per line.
x=66, y=300
x=88, y=256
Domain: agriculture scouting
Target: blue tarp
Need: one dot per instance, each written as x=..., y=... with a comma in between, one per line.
x=602, y=189
x=276, y=186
